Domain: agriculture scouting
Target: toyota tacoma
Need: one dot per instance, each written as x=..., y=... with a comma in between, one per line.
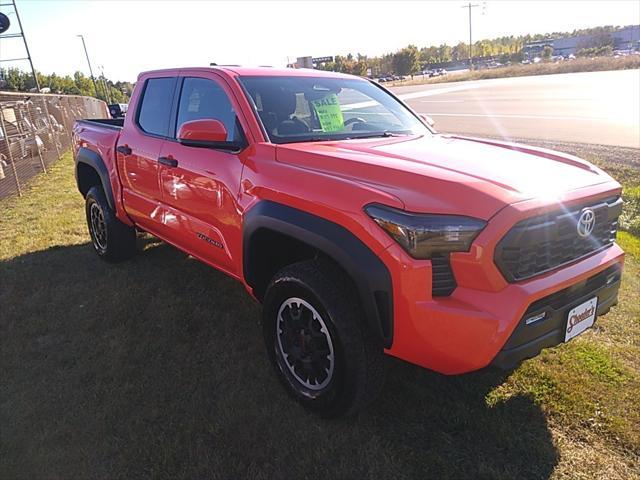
x=361, y=230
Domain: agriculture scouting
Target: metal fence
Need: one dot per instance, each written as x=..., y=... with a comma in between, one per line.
x=35, y=130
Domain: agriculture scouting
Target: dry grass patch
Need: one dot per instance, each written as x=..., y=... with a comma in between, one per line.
x=568, y=66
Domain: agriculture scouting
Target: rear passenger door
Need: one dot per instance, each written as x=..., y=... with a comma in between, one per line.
x=200, y=190
x=139, y=148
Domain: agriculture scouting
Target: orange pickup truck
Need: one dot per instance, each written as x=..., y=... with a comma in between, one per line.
x=361, y=230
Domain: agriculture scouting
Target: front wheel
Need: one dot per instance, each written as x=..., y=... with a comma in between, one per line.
x=316, y=338
x=112, y=240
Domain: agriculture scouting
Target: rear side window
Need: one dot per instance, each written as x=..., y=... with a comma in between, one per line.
x=202, y=98
x=155, y=109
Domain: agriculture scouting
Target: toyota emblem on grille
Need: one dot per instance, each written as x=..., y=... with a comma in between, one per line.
x=586, y=222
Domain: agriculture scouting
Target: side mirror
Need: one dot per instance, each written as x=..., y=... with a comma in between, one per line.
x=427, y=119
x=202, y=133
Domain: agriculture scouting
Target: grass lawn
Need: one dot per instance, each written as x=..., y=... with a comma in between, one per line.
x=155, y=368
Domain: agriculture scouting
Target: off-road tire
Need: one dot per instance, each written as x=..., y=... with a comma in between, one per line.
x=359, y=363
x=112, y=240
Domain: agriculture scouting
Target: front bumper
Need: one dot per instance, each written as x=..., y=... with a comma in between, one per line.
x=527, y=340
x=474, y=328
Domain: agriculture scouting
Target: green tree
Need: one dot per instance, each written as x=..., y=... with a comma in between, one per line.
x=460, y=52
x=386, y=63
x=547, y=52
x=429, y=54
x=508, y=48
x=484, y=48
x=14, y=79
x=84, y=84
x=595, y=51
x=17, y=80
x=360, y=68
x=444, y=53
x=407, y=61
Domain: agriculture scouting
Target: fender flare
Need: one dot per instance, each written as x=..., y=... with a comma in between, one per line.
x=369, y=274
x=91, y=158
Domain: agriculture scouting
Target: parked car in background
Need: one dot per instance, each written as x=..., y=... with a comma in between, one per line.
x=436, y=72
x=118, y=110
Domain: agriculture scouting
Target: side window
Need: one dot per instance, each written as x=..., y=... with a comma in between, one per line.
x=155, y=109
x=205, y=99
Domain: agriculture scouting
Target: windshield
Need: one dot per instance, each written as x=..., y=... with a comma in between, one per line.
x=303, y=109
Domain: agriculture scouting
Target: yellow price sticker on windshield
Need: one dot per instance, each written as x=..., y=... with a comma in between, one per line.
x=329, y=113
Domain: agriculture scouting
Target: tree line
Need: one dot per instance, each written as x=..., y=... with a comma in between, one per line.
x=14, y=79
x=411, y=59
x=406, y=61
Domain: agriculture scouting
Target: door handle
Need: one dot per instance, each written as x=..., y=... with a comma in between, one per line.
x=168, y=161
x=124, y=149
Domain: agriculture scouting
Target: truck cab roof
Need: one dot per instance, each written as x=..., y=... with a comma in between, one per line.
x=235, y=70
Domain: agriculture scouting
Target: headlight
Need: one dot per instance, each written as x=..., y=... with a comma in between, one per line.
x=422, y=236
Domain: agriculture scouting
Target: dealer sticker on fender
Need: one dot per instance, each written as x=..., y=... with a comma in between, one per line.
x=581, y=318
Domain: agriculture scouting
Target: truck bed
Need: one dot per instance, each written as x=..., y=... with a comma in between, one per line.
x=113, y=123
x=100, y=136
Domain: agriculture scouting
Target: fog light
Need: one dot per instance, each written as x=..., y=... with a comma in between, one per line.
x=535, y=318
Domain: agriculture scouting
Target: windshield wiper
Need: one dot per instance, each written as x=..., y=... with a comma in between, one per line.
x=348, y=137
x=317, y=139
x=378, y=135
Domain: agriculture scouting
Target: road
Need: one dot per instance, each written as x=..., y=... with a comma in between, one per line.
x=590, y=107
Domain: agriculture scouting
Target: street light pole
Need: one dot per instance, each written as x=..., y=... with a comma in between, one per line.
x=93, y=79
x=469, y=6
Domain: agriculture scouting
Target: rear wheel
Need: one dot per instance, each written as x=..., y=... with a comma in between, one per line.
x=112, y=240
x=317, y=341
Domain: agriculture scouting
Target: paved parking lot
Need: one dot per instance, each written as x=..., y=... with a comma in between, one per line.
x=589, y=107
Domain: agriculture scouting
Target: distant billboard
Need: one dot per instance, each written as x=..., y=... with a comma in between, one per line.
x=317, y=60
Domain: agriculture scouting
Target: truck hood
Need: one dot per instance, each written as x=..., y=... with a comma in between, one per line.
x=448, y=174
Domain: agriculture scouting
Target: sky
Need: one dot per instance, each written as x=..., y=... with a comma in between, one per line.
x=127, y=37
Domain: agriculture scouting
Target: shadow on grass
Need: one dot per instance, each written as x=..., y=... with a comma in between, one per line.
x=155, y=368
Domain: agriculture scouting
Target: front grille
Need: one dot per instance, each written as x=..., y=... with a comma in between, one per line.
x=540, y=244
x=528, y=339
x=443, y=283
x=570, y=294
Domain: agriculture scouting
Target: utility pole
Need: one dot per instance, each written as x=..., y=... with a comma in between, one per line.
x=470, y=6
x=93, y=79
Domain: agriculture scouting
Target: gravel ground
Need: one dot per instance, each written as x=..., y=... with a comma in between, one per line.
x=607, y=153
x=622, y=163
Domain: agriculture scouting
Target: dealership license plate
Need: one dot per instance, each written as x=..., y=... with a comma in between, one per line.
x=581, y=318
